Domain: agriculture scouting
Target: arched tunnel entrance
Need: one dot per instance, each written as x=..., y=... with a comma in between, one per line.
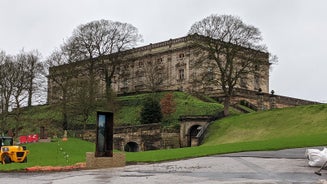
x=193, y=132
x=131, y=147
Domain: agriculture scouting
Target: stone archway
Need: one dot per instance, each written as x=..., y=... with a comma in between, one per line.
x=131, y=147
x=190, y=127
x=192, y=135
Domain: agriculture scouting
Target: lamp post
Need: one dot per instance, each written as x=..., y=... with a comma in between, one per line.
x=272, y=100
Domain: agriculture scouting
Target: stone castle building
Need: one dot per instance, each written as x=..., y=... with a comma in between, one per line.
x=173, y=65
x=166, y=66
x=174, y=62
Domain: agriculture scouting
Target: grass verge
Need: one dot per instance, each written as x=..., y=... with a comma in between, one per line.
x=191, y=152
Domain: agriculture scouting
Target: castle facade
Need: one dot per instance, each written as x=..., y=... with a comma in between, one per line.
x=168, y=65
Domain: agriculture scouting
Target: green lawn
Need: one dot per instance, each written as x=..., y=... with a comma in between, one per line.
x=55, y=153
x=278, y=123
x=192, y=152
x=303, y=126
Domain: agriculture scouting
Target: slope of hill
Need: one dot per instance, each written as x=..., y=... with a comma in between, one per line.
x=287, y=123
x=302, y=126
x=127, y=113
x=186, y=104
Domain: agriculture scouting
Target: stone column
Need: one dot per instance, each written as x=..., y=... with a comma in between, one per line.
x=272, y=100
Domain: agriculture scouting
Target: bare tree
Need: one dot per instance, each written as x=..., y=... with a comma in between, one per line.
x=98, y=45
x=20, y=80
x=95, y=40
x=35, y=72
x=7, y=70
x=17, y=83
x=232, y=50
x=154, y=74
x=13, y=87
x=19, y=86
x=5, y=88
x=62, y=73
x=3, y=58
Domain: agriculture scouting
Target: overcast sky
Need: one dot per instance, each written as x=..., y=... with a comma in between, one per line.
x=294, y=30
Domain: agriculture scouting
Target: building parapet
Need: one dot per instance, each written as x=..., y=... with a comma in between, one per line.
x=157, y=45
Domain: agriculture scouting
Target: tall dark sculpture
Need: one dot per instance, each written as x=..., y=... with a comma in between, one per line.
x=104, y=137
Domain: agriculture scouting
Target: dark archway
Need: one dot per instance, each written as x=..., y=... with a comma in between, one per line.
x=193, y=132
x=131, y=147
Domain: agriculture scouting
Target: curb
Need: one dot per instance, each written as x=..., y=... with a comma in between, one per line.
x=76, y=166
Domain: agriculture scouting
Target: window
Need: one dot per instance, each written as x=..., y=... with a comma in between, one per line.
x=210, y=76
x=141, y=64
x=181, y=55
x=125, y=82
x=159, y=61
x=181, y=74
x=243, y=83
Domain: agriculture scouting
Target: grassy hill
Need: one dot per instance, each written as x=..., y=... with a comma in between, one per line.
x=278, y=123
x=186, y=104
x=302, y=126
x=127, y=113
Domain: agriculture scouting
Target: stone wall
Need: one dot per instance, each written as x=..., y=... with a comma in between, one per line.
x=92, y=162
x=147, y=137
x=264, y=101
x=170, y=140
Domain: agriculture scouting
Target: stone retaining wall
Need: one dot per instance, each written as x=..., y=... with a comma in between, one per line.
x=264, y=101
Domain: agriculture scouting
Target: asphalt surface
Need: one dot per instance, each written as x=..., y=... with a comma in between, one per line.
x=269, y=167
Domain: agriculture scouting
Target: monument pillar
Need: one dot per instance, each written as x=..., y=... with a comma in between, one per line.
x=103, y=157
x=104, y=138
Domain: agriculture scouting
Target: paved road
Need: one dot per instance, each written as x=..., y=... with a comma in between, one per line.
x=276, y=167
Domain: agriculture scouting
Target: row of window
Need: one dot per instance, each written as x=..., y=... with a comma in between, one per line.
x=159, y=61
x=140, y=76
x=209, y=76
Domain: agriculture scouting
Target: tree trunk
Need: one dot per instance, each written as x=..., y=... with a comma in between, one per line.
x=64, y=110
x=30, y=94
x=226, y=105
x=91, y=87
x=65, y=122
